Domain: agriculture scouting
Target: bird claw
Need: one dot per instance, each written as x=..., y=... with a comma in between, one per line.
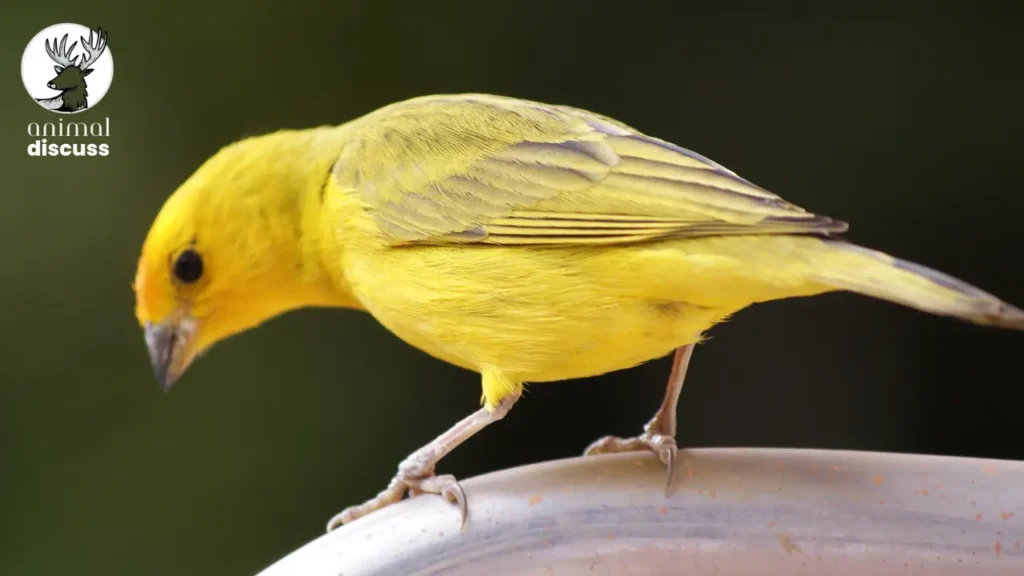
x=445, y=486
x=664, y=446
x=448, y=488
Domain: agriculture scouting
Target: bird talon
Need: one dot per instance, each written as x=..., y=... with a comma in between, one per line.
x=614, y=445
x=334, y=522
x=456, y=495
x=664, y=446
x=448, y=488
x=667, y=453
x=445, y=486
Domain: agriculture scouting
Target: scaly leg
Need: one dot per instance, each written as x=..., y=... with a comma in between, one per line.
x=416, y=473
x=659, y=434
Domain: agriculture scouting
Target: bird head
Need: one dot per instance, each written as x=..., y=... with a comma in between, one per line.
x=231, y=248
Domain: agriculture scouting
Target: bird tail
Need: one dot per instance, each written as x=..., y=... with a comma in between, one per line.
x=849, y=267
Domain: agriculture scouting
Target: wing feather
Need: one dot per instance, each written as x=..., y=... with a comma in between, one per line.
x=484, y=169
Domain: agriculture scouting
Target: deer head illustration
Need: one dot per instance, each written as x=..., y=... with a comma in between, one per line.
x=71, y=71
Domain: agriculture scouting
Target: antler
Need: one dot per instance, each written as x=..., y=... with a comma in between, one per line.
x=93, y=52
x=59, y=55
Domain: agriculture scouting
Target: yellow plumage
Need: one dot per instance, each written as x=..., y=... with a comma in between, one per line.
x=544, y=243
x=525, y=241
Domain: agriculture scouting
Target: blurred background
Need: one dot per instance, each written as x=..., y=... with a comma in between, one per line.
x=904, y=122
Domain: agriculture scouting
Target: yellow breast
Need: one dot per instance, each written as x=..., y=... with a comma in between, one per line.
x=537, y=314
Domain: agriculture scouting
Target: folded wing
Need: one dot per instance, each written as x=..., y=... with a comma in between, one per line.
x=483, y=169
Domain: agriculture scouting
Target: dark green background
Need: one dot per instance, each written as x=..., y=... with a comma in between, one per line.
x=907, y=124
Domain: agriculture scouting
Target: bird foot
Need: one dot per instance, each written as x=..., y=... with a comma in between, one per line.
x=662, y=445
x=445, y=485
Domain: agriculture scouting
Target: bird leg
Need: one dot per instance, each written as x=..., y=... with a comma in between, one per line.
x=416, y=473
x=659, y=434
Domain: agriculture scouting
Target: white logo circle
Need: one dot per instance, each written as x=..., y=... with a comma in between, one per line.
x=67, y=68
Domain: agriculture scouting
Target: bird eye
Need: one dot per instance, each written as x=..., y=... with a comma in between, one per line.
x=189, y=266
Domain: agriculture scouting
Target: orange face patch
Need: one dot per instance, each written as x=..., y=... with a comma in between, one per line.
x=152, y=301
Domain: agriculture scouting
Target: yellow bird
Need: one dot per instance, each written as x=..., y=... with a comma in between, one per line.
x=525, y=241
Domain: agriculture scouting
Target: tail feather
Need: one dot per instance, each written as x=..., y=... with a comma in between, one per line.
x=872, y=273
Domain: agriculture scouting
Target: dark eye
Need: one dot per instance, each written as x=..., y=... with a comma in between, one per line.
x=189, y=266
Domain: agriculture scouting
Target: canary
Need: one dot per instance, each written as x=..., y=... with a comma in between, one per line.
x=527, y=242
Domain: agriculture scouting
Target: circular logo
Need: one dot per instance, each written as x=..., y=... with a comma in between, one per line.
x=67, y=68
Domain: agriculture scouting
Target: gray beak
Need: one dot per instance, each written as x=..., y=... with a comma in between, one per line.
x=168, y=351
